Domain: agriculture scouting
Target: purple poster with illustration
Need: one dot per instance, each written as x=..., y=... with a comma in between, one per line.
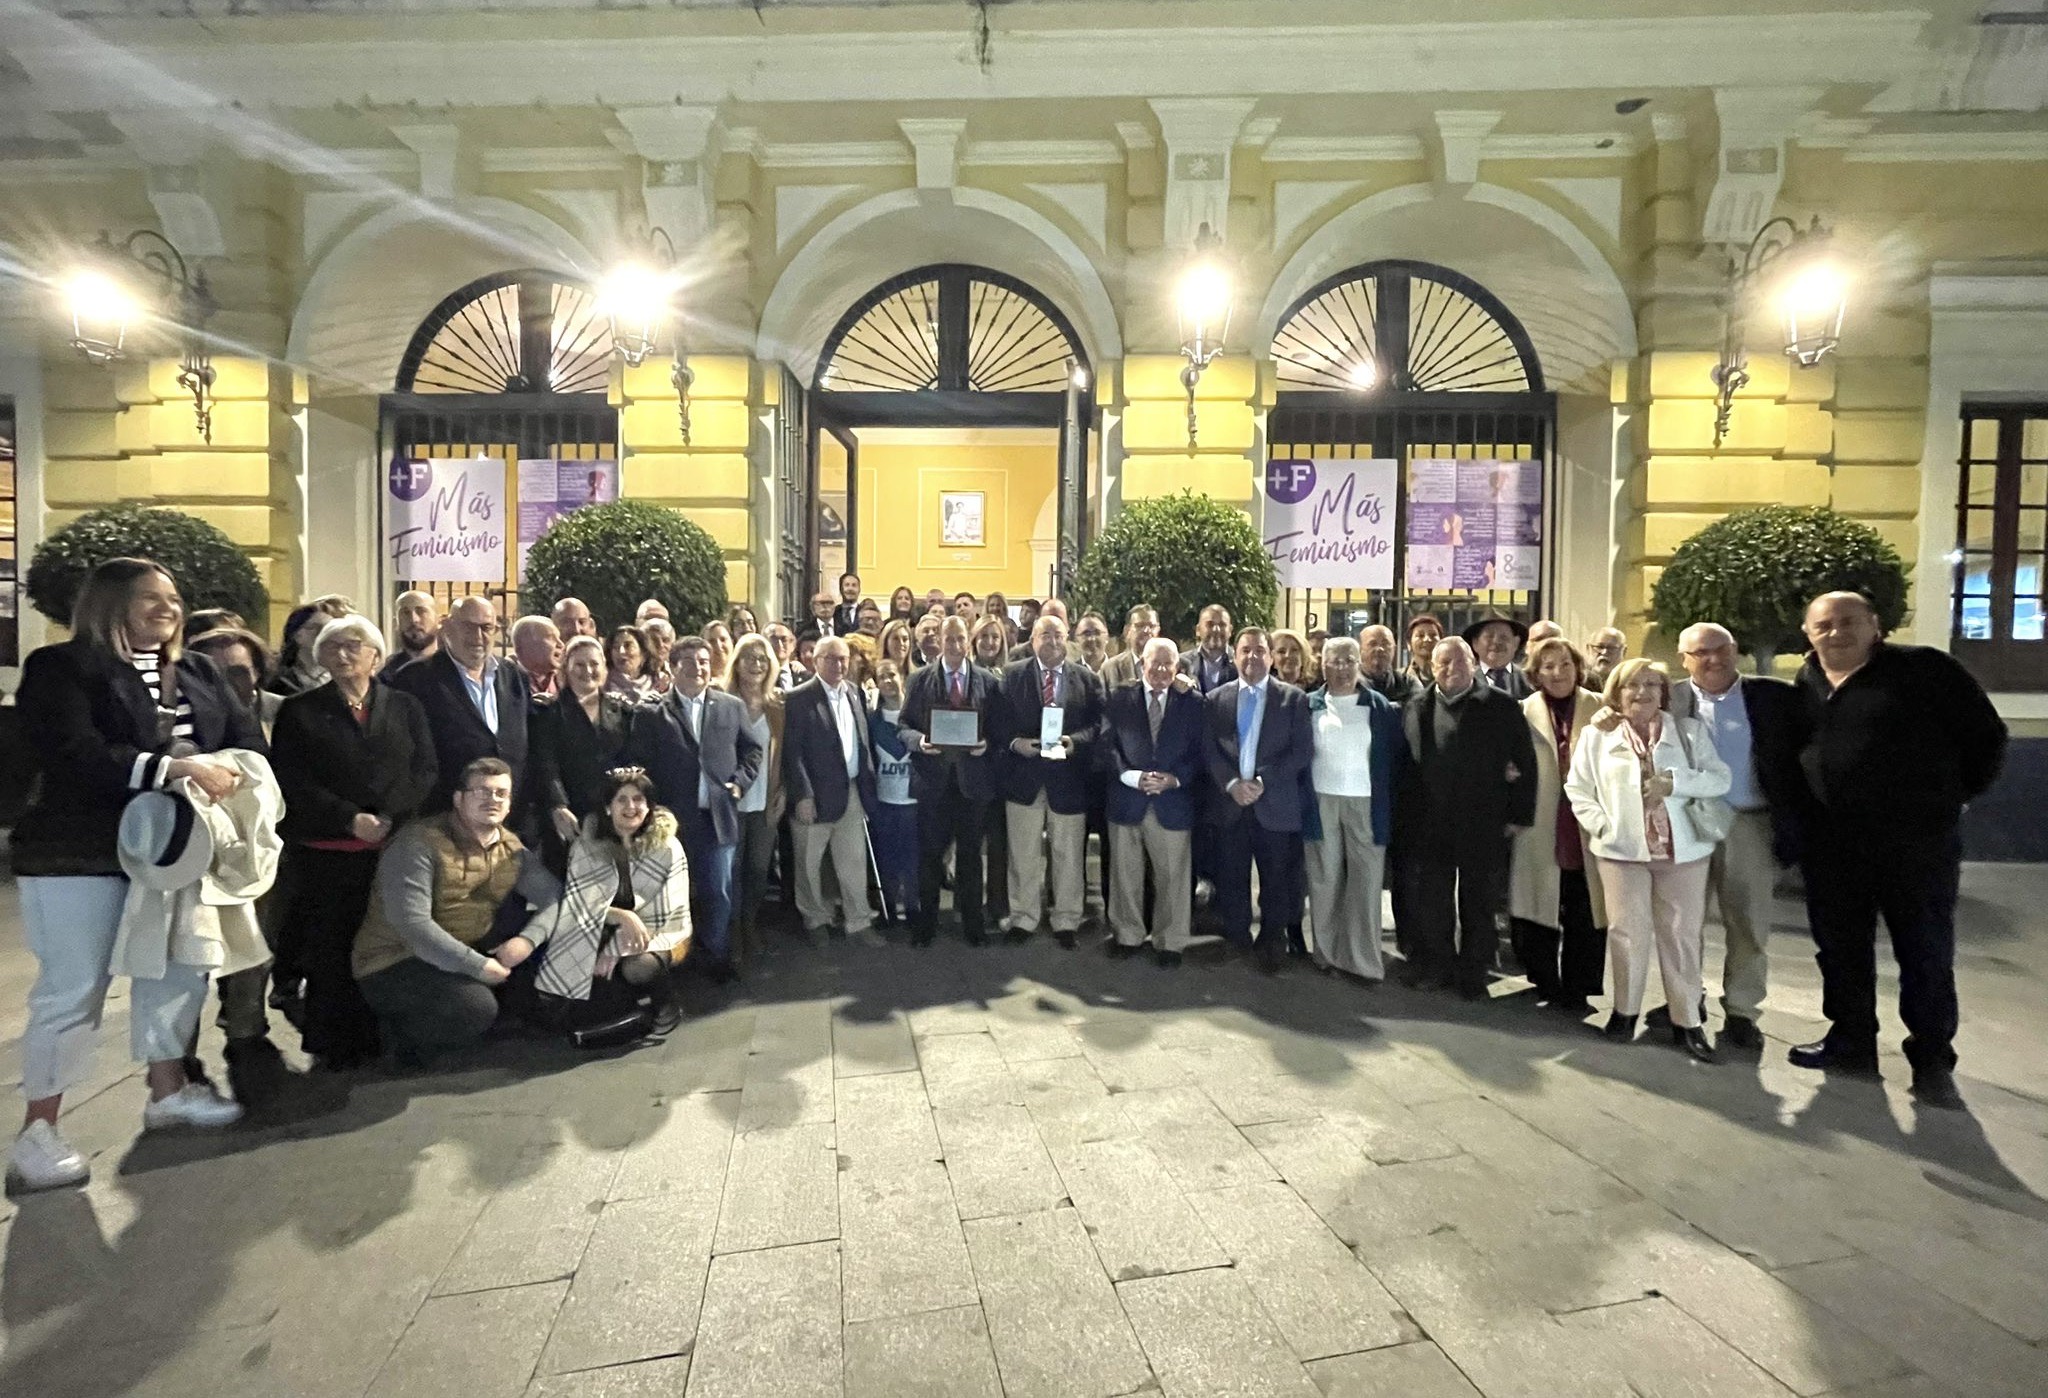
x=1330, y=523
x=550, y=489
x=1475, y=525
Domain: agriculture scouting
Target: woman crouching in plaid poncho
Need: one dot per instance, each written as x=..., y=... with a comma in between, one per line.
x=604, y=949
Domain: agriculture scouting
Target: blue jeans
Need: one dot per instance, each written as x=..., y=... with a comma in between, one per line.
x=894, y=831
x=710, y=890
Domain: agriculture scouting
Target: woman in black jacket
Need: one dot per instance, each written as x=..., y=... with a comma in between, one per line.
x=575, y=741
x=113, y=711
x=355, y=760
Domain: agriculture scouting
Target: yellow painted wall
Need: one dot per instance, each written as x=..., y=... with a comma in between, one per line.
x=899, y=514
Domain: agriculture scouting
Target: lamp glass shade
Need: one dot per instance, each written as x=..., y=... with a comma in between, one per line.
x=1202, y=306
x=102, y=309
x=639, y=301
x=1812, y=300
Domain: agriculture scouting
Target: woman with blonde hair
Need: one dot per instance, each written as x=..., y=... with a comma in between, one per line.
x=1554, y=895
x=1639, y=777
x=718, y=636
x=750, y=678
x=1292, y=661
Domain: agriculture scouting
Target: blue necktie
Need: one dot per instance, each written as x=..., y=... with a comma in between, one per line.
x=1247, y=706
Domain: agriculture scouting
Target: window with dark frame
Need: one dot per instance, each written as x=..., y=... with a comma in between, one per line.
x=10, y=537
x=2000, y=574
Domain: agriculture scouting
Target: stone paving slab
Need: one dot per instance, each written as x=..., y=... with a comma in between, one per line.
x=1055, y=1322
x=902, y=1249
x=937, y=1354
x=537, y=1231
x=1416, y=1370
x=997, y=1161
x=657, y=1378
x=1939, y=1338
x=482, y=1344
x=1204, y=1334
x=637, y=1290
x=781, y=1188
x=771, y=1324
x=1139, y=1222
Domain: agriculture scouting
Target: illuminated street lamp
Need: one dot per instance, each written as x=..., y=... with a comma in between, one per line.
x=1790, y=271
x=638, y=297
x=1202, y=305
x=117, y=286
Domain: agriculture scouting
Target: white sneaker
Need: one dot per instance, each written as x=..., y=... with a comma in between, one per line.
x=42, y=1159
x=194, y=1105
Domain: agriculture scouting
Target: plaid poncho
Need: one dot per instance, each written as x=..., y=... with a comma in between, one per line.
x=571, y=933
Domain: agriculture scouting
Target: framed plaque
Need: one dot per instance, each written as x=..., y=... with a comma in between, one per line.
x=955, y=728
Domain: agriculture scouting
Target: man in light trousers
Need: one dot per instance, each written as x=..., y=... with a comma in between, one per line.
x=1154, y=735
x=828, y=769
x=1045, y=790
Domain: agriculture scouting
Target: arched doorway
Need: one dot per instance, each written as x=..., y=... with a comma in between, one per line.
x=515, y=366
x=1406, y=361
x=979, y=385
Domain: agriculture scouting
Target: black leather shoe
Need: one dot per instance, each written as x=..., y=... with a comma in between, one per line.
x=923, y=937
x=1620, y=1028
x=1016, y=936
x=1168, y=960
x=1270, y=954
x=1827, y=1057
x=1741, y=1031
x=1572, y=1005
x=1694, y=1042
x=977, y=939
x=1936, y=1087
x=1660, y=1018
x=1118, y=951
x=1065, y=939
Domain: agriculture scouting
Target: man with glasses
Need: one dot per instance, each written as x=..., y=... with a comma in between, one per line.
x=476, y=702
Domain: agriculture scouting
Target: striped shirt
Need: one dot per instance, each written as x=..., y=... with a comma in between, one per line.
x=148, y=774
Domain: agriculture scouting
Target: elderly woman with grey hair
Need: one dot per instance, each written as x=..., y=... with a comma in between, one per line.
x=355, y=759
x=1359, y=748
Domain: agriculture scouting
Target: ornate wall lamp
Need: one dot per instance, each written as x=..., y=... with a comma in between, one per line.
x=639, y=298
x=144, y=277
x=1789, y=271
x=1202, y=308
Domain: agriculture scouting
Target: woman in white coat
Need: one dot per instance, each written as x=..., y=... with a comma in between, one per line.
x=1635, y=773
x=1555, y=903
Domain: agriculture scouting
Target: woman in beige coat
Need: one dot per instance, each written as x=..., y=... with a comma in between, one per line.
x=1554, y=896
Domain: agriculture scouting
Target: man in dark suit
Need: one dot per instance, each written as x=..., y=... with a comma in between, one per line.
x=1259, y=746
x=1758, y=726
x=476, y=703
x=695, y=746
x=1471, y=784
x=1046, y=796
x=953, y=787
x=1154, y=736
x=828, y=771
x=1208, y=666
x=1495, y=640
x=846, y=613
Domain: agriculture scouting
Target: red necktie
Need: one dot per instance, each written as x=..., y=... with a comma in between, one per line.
x=1049, y=676
x=959, y=687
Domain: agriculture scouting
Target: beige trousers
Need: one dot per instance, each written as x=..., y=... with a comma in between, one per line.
x=1742, y=875
x=1345, y=871
x=1660, y=905
x=1034, y=830
x=847, y=842
x=1169, y=854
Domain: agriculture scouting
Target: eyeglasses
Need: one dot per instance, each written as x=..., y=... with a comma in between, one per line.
x=349, y=645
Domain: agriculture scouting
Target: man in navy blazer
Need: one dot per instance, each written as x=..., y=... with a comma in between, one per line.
x=1154, y=751
x=1046, y=797
x=1259, y=746
x=476, y=703
x=954, y=788
x=828, y=771
x=695, y=746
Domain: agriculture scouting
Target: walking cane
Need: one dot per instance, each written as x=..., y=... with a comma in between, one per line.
x=867, y=834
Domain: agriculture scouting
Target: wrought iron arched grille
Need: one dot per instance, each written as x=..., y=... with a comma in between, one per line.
x=516, y=332
x=950, y=328
x=1403, y=327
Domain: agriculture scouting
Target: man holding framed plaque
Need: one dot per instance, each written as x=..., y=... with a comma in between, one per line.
x=952, y=779
x=1048, y=723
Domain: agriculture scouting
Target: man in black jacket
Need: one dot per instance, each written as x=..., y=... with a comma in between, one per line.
x=1471, y=785
x=476, y=703
x=954, y=787
x=1899, y=738
x=1259, y=746
x=828, y=771
x=1046, y=796
x=1758, y=725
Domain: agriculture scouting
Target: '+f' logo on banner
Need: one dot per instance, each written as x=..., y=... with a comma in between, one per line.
x=410, y=479
x=1289, y=482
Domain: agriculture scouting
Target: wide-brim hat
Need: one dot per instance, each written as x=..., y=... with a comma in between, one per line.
x=162, y=842
x=1471, y=633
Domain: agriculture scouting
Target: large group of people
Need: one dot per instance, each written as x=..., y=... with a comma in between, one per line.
x=552, y=824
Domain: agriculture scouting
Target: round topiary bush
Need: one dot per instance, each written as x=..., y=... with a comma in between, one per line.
x=615, y=556
x=210, y=570
x=1755, y=572
x=1180, y=553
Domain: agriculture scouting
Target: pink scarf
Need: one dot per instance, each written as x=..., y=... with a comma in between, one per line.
x=1656, y=814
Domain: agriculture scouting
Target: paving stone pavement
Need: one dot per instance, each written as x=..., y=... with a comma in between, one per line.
x=1022, y=1171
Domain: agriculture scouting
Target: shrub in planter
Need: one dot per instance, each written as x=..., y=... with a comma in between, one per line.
x=1755, y=571
x=1180, y=553
x=210, y=570
x=617, y=555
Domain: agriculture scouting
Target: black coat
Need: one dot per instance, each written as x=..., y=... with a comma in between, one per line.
x=660, y=741
x=86, y=716
x=1902, y=744
x=1462, y=795
x=975, y=774
x=460, y=734
x=1063, y=780
x=813, y=762
x=570, y=754
x=1191, y=666
x=1286, y=748
x=332, y=769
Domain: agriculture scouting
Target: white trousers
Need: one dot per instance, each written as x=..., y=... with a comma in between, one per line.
x=69, y=923
x=1345, y=872
x=1169, y=855
x=847, y=840
x=1662, y=905
x=1031, y=830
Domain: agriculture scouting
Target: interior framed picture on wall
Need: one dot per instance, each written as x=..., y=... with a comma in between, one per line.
x=961, y=519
